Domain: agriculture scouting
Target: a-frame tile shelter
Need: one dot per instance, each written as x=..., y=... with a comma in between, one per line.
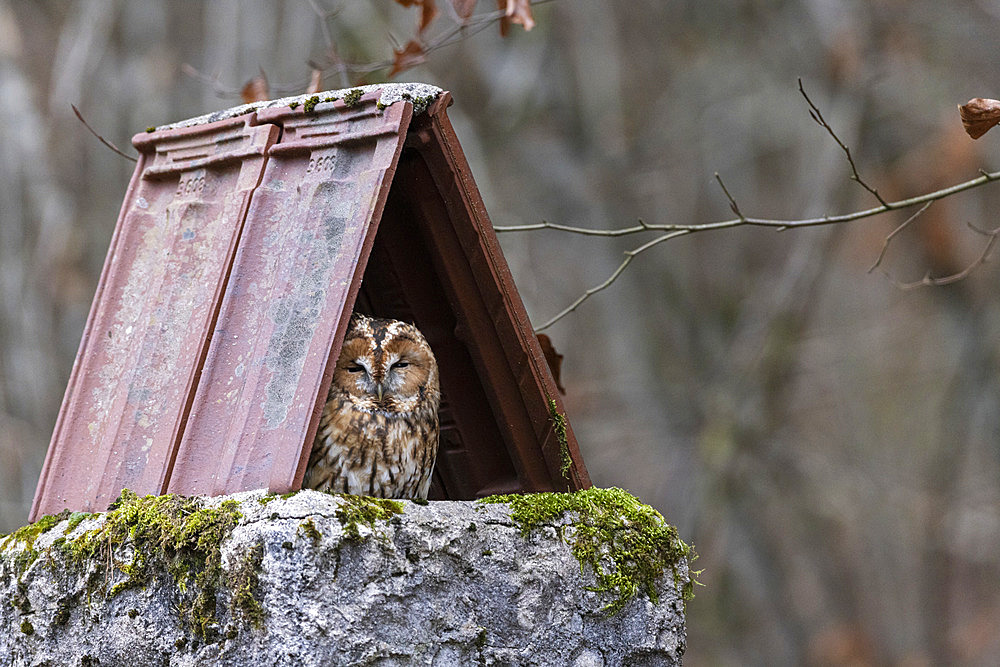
x=245, y=240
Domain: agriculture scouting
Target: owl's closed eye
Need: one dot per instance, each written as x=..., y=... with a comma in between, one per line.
x=378, y=434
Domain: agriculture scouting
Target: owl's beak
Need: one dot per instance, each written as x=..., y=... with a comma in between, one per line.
x=378, y=391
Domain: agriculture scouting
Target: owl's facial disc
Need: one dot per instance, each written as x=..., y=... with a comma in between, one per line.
x=394, y=374
x=361, y=372
x=381, y=380
x=387, y=368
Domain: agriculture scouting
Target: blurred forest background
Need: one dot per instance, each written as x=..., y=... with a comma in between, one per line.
x=828, y=441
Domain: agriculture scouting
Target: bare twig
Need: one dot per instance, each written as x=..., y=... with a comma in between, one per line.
x=817, y=116
x=629, y=256
x=674, y=231
x=99, y=137
x=457, y=33
x=544, y=224
x=473, y=25
x=732, y=202
x=324, y=15
x=928, y=281
x=985, y=177
x=190, y=70
x=897, y=230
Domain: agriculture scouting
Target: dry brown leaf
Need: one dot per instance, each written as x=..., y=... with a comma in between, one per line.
x=519, y=11
x=315, y=81
x=464, y=8
x=979, y=115
x=409, y=56
x=428, y=12
x=256, y=89
x=504, y=21
x=554, y=360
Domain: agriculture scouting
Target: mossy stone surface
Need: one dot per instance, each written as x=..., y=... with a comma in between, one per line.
x=626, y=544
x=313, y=578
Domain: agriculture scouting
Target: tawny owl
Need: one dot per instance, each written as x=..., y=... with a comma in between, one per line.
x=378, y=434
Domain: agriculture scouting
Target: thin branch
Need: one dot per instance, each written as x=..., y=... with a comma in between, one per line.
x=629, y=256
x=897, y=230
x=985, y=177
x=928, y=281
x=544, y=224
x=99, y=137
x=817, y=116
x=457, y=33
x=674, y=231
x=324, y=16
x=980, y=230
x=732, y=202
x=461, y=31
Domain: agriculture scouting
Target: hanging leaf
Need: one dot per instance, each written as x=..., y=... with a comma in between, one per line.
x=515, y=11
x=409, y=56
x=979, y=115
x=553, y=358
x=256, y=89
x=504, y=20
x=519, y=11
x=428, y=12
x=464, y=8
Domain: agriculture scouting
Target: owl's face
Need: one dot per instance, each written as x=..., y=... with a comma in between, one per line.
x=378, y=431
x=386, y=366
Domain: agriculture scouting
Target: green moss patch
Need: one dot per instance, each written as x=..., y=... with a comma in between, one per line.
x=26, y=536
x=311, y=531
x=274, y=496
x=353, y=97
x=357, y=510
x=628, y=545
x=182, y=536
x=75, y=519
x=244, y=581
x=419, y=103
x=559, y=424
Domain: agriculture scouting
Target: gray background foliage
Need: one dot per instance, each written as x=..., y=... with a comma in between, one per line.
x=828, y=441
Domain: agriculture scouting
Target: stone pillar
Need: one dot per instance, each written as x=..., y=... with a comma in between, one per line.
x=317, y=579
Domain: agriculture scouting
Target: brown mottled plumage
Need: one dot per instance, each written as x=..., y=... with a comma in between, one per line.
x=378, y=434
